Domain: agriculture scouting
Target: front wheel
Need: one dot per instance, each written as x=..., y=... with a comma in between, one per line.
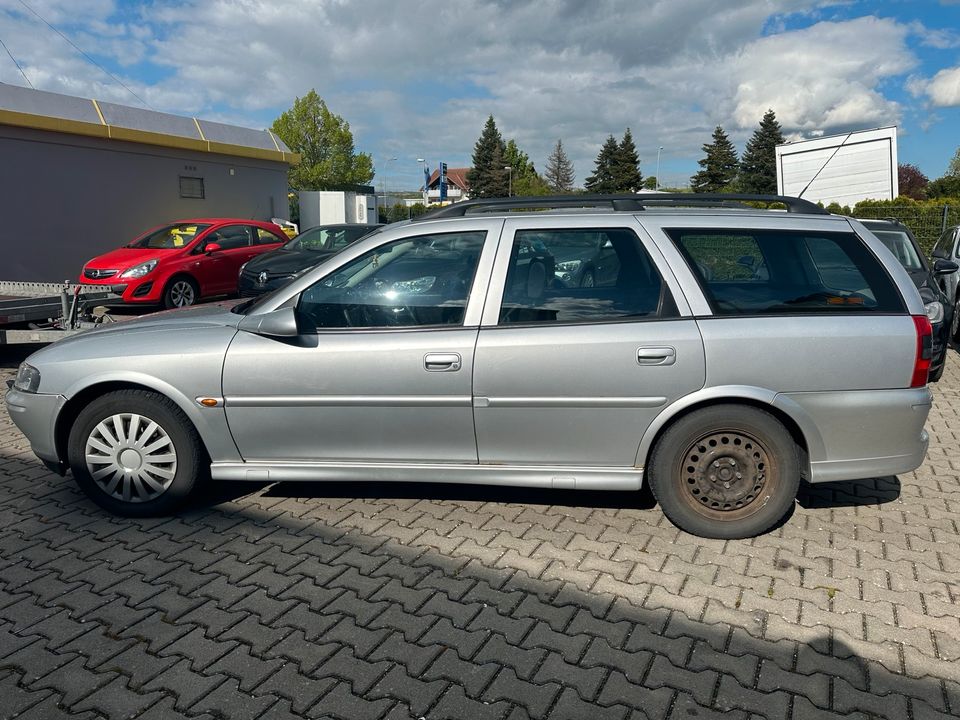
x=135, y=453
x=955, y=322
x=181, y=292
x=727, y=471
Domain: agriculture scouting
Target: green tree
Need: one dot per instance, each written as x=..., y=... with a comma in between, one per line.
x=947, y=186
x=650, y=183
x=323, y=139
x=487, y=177
x=719, y=165
x=758, y=167
x=603, y=179
x=626, y=166
x=559, y=174
x=953, y=169
x=524, y=180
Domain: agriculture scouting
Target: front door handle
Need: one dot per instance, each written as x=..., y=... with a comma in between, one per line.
x=442, y=362
x=665, y=355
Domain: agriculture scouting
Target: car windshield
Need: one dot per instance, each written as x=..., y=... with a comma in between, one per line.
x=327, y=239
x=898, y=242
x=170, y=237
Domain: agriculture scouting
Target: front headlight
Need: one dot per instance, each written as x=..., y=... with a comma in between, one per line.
x=934, y=312
x=28, y=378
x=570, y=266
x=138, y=271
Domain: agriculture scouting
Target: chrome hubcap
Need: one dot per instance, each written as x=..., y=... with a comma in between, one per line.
x=182, y=293
x=131, y=457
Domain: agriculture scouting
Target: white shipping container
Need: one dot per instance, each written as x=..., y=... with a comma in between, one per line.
x=860, y=165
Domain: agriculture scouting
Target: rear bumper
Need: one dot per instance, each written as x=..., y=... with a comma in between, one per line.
x=35, y=414
x=861, y=434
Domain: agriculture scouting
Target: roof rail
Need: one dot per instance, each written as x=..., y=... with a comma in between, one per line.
x=623, y=202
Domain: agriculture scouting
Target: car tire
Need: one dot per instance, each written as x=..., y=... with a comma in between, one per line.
x=726, y=471
x=588, y=280
x=938, y=373
x=181, y=292
x=135, y=453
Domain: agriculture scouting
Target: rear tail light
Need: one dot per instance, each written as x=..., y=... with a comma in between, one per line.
x=921, y=365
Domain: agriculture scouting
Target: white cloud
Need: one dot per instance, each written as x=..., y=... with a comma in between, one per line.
x=943, y=89
x=419, y=79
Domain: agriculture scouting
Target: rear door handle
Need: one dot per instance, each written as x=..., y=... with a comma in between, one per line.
x=665, y=355
x=442, y=362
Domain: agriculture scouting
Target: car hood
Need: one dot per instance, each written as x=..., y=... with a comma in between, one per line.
x=281, y=262
x=123, y=258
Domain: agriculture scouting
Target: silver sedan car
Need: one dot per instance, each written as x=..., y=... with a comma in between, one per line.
x=722, y=356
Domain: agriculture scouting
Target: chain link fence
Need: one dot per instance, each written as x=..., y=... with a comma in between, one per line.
x=927, y=224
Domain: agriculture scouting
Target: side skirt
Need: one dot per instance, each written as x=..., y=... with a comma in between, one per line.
x=584, y=478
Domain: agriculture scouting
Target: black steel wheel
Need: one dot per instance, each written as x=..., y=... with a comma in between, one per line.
x=726, y=471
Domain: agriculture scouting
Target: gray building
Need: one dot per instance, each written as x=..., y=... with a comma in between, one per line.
x=79, y=177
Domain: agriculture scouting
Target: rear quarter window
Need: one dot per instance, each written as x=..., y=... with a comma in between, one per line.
x=783, y=272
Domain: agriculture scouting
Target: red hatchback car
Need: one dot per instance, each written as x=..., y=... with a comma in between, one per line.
x=176, y=265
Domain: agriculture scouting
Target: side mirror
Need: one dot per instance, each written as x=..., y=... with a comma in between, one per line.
x=945, y=267
x=280, y=323
x=212, y=248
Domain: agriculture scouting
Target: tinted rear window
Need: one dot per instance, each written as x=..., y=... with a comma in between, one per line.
x=777, y=272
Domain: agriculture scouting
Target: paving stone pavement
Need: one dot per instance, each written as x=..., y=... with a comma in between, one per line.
x=357, y=602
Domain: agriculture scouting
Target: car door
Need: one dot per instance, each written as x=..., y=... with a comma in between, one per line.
x=947, y=248
x=216, y=270
x=383, y=366
x=574, y=375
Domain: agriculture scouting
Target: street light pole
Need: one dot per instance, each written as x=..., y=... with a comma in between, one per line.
x=656, y=185
x=426, y=190
x=509, y=169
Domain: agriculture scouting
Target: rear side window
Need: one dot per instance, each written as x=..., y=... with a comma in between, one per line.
x=582, y=276
x=777, y=272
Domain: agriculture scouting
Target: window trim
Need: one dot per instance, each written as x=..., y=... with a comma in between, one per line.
x=485, y=250
x=708, y=296
x=668, y=293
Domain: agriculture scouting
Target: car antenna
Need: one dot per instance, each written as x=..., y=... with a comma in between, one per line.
x=850, y=135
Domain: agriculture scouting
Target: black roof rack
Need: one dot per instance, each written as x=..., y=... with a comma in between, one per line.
x=624, y=202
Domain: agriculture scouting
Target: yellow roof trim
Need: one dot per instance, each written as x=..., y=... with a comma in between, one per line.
x=197, y=123
x=79, y=127
x=41, y=122
x=96, y=106
x=275, y=143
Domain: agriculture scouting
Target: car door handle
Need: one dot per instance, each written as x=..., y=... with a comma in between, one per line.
x=665, y=355
x=442, y=362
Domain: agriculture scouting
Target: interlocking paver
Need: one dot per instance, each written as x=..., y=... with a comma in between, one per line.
x=288, y=601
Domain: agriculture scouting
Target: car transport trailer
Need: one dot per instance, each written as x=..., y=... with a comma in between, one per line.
x=33, y=312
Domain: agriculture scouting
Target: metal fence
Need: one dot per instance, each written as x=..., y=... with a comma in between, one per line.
x=927, y=224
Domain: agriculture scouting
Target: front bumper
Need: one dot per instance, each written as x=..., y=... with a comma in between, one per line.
x=35, y=414
x=147, y=290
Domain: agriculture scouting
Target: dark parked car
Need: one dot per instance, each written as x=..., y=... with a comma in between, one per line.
x=939, y=307
x=948, y=249
x=586, y=260
x=308, y=249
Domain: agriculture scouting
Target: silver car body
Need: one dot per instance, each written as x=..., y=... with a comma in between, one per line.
x=576, y=405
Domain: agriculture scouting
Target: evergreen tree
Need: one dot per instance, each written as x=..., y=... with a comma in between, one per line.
x=626, y=166
x=559, y=174
x=487, y=177
x=758, y=167
x=603, y=180
x=719, y=165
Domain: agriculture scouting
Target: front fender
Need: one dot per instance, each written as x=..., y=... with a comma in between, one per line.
x=733, y=394
x=211, y=423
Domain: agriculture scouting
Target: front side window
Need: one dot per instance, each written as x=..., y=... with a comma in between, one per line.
x=265, y=237
x=578, y=276
x=418, y=281
x=759, y=272
x=944, y=246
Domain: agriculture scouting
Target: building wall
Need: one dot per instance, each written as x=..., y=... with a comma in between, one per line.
x=66, y=198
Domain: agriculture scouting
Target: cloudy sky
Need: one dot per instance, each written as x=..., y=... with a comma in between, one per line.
x=418, y=79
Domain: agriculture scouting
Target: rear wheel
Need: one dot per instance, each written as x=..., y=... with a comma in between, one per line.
x=955, y=322
x=727, y=471
x=135, y=453
x=181, y=292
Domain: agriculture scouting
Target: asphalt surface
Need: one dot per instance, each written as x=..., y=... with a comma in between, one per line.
x=370, y=601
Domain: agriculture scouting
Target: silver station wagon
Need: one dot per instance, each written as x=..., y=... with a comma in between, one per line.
x=720, y=353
